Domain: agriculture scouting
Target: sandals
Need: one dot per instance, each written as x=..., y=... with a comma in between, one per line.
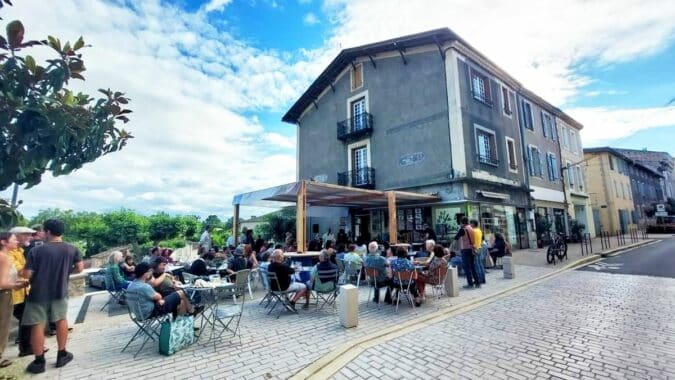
x=5, y=363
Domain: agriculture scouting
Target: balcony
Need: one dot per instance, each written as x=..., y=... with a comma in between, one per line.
x=355, y=127
x=363, y=178
x=488, y=160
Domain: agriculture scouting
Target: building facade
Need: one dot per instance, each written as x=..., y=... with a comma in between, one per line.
x=425, y=113
x=660, y=162
x=610, y=189
x=572, y=155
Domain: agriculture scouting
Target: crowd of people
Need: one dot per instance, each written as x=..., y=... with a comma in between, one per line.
x=35, y=264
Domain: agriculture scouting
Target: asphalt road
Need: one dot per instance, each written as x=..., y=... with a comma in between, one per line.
x=656, y=259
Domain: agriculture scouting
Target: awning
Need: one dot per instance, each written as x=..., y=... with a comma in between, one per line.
x=492, y=194
x=324, y=194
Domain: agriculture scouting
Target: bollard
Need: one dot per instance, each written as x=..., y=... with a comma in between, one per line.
x=348, y=306
x=452, y=282
x=509, y=268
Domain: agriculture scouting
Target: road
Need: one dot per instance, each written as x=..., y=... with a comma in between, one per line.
x=611, y=323
x=651, y=260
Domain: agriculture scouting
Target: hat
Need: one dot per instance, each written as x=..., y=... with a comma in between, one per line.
x=21, y=230
x=141, y=269
x=238, y=252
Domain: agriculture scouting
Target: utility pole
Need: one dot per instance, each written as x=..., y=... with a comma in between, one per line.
x=15, y=195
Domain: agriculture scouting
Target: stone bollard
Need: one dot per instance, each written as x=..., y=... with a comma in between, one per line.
x=509, y=268
x=452, y=283
x=348, y=306
x=77, y=284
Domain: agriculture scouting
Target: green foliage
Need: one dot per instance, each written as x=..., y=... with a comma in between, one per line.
x=45, y=126
x=163, y=226
x=9, y=216
x=190, y=227
x=172, y=243
x=213, y=221
x=276, y=224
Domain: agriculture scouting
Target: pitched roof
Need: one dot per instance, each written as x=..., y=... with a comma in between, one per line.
x=436, y=37
x=617, y=152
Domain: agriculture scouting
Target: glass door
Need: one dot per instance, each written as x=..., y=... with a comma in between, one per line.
x=358, y=114
x=360, y=166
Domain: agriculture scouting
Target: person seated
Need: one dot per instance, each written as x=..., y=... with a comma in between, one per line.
x=361, y=248
x=390, y=255
x=150, y=257
x=498, y=248
x=199, y=267
x=236, y=263
x=431, y=275
x=322, y=284
x=402, y=264
x=352, y=255
x=166, y=253
x=113, y=272
x=249, y=255
x=152, y=303
x=164, y=283
x=425, y=257
x=376, y=261
x=341, y=252
x=284, y=272
x=128, y=267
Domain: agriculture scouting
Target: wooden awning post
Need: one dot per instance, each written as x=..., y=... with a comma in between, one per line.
x=300, y=218
x=393, y=220
x=235, y=225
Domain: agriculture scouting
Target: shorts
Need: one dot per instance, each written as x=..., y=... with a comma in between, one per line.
x=296, y=287
x=36, y=313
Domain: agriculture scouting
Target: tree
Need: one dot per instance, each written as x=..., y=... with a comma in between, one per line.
x=163, y=226
x=276, y=224
x=190, y=227
x=44, y=126
x=213, y=221
x=125, y=227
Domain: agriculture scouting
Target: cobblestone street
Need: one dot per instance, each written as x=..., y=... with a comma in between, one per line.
x=578, y=325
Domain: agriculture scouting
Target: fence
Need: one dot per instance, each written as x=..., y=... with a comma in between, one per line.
x=635, y=234
x=586, y=244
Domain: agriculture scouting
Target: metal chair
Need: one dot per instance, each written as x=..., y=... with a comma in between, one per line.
x=327, y=296
x=438, y=289
x=279, y=296
x=115, y=296
x=226, y=318
x=189, y=278
x=148, y=327
x=371, y=279
x=266, y=285
x=353, y=272
x=252, y=281
x=406, y=279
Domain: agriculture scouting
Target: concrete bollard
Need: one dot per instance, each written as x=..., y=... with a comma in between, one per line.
x=348, y=306
x=509, y=268
x=452, y=283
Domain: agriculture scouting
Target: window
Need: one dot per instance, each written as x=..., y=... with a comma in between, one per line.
x=573, y=141
x=546, y=124
x=358, y=114
x=357, y=76
x=511, y=154
x=623, y=191
x=486, y=146
x=580, y=179
x=506, y=102
x=552, y=164
x=616, y=189
x=566, y=137
x=611, y=163
x=480, y=87
x=554, y=130
x=570, y=175
x=526, y=120
x=534, y=161
x=360, y=165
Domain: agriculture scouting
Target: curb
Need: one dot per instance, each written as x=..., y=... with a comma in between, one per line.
x=334, y=360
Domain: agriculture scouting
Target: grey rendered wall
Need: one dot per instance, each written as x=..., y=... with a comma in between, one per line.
x=409, y=108
x=545, y=145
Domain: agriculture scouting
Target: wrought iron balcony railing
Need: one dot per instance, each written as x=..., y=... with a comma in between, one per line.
x=363, y=178
x=355, y=127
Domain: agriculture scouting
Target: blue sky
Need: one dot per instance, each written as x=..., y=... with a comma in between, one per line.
x=210, y=80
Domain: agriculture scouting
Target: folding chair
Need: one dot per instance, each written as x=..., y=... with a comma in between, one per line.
x=406, y=279
x=266, y=285
x=327, y=296
x=114, y=296
x=341, y=269
x=279, y=296
x=438, y=289
x=226, y=318
x=353, y=272
x=252, y=281
x=189, y=278
x=148, y=328
x=371, y=279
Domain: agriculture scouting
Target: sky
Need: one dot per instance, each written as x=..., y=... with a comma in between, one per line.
x=210, y=80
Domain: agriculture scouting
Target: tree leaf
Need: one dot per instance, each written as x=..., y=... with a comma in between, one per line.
x=30, y=63
x=15, y=31
x=79, y=44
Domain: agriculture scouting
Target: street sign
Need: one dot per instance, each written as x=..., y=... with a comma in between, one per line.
x=661, y=213
x=660, y=207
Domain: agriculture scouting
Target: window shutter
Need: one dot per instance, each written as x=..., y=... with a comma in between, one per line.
x=521, y=113
x=543, y=123
x=554, y=130
x=541, y=164
x=529, y=162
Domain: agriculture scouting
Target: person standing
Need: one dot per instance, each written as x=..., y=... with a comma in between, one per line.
x=9, y=282
x=37, y=239
x=477, y=240
x=205, y=241
x=48, y=267
x=464, y=237
x=17, y=258
x=328, y=238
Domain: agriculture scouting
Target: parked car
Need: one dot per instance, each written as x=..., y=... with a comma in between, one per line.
x=97, y=279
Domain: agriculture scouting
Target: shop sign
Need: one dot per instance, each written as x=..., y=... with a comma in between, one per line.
x=411, y=159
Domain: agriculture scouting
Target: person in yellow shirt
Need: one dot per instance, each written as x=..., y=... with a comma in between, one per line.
x=17, y=258
x=477, y=241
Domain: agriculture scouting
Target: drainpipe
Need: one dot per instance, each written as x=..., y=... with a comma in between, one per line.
x=447, y=101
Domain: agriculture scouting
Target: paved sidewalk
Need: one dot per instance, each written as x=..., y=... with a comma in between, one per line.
x=271, y=348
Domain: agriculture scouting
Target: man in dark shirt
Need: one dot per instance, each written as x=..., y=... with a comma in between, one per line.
x=237, y=262
x=284, y=273
x=199, y=268
x=48, y=267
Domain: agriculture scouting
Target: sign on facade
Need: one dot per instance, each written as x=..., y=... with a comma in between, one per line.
x=660, y=207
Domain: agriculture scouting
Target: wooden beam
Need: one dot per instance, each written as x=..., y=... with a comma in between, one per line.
x=393, y=220
x=235, y=225
x=301, y=218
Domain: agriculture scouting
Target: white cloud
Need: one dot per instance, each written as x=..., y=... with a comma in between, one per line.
x=609, y=125
x=310, y=19
x=215, y=5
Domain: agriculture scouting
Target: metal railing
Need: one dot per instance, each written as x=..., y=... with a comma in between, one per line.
x=586, y=244
x=363, y=178
x=489, y=160
x=356, y=126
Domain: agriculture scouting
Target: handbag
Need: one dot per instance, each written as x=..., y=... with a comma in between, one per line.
x=176, y=335
x=487, y=261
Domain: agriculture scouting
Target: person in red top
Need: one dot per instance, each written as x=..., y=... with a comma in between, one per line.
x=465, y=239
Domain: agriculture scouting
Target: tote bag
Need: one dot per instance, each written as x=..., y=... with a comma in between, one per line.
x=176, y=335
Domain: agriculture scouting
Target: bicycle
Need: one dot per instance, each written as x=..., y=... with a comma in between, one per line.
x=558, y=248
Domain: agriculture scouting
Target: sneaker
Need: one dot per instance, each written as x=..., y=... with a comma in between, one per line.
x=467, y=286
x=64, y=359
x=30, y=352
x=36, y=367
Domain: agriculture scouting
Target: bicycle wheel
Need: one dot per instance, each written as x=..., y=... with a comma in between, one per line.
x=550, y=255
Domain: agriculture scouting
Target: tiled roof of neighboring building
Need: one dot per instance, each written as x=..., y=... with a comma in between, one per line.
x=432, y=37
x=655, y=160
x=618, y=152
